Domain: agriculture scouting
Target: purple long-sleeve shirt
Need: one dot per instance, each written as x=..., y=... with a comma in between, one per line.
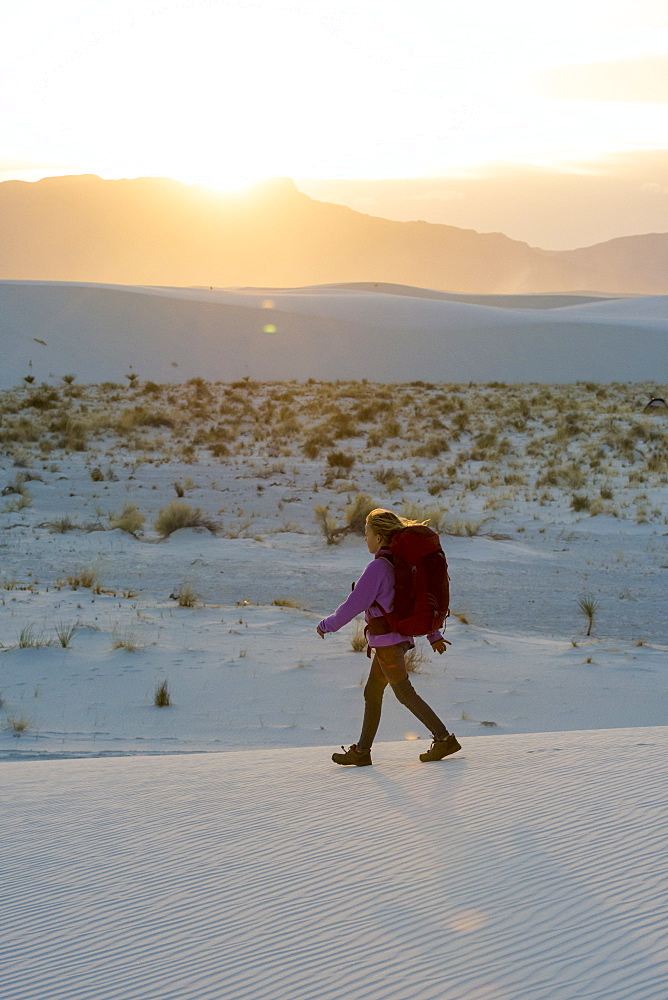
x=374, y=587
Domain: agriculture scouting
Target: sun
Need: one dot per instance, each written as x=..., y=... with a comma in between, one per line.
x=233, y=183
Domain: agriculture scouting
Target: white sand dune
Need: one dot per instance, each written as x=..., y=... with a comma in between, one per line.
x=385, y=333
x=525, y=868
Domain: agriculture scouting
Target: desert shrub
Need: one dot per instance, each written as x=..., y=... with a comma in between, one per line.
x=343, y=426
x=18, y=723
x=387, y=477
x=464, y=528
x=151, y=389
x=357, y=511
x=414, y=512
x=74, y=436
x=580, y=501
x=416, y=658
x=588, y=605
x=66, y=633
x=287, y=602
x=434, y=446
x=44, y=398
x=358, y=641
x=88, y=578
x=130, y=519
x=437, y=486
x=340, y=460
x=186, y=596
x=28, y=639
x=139, y=416
x=126, y=640
x=181, y=515
x=162, y=697
x=17, y=484
x=327, y=524
x=62, y=525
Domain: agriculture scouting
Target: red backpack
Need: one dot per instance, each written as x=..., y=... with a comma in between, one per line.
x=421, y=582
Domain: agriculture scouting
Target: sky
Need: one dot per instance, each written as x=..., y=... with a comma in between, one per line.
x=226, y=92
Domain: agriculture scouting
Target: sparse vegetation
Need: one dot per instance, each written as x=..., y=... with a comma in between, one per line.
x=162, y=697
x=358, y=638
x=17, y=724
x=327, y=524
x=181, y=515
x=130, y=519
x=62, y=525
x=588, y=605
x=86, y=578
x=66, y=633
x=29, y=639
x=186, y=596
x=416, y=659
x=127, y=640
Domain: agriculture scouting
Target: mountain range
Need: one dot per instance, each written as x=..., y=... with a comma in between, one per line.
x=157, y=231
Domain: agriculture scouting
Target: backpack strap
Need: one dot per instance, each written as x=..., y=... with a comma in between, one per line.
x=386, y=554
x=379, y=625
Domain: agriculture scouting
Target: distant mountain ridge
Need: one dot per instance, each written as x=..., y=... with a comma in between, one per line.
x=156, y=231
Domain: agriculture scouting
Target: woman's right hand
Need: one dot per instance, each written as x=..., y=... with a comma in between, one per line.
x=320, y=632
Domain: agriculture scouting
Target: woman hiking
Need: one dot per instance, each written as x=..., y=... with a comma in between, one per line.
x=374, y=594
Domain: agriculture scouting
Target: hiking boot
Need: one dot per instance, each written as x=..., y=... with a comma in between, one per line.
x=359, y=758
x=441, y=748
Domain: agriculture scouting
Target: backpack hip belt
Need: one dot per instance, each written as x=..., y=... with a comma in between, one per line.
x=378, y=626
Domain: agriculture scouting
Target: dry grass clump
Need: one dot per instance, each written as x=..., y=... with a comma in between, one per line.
x=434, y=516
x=186, y=596
x=87, y=578
x=434, y=446
x=357, y=511
x=29, y=639
x=17, y=724
x=580, y=502
x=358, y=640
x=287, y=602
x=17, y=505
x=179, y=515
x=162, y=697
x=327, y=524
x=130, y=519
x=416, y=659
x=66, y=633
x=17, y=484
x=390, y=479
x=588, y=605
x=62, y=525
x=127, y=640
x=462, y=527
x=340, y=461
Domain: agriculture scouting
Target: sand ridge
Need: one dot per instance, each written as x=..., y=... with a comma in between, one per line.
x=99, y=332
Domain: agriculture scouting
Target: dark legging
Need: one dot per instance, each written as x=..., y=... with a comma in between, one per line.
x=389, y=667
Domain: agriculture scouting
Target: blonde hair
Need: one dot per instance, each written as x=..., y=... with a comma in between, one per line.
x=386, y=523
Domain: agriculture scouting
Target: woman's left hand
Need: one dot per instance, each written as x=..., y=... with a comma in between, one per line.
x=320, y=632
x=440, y=646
